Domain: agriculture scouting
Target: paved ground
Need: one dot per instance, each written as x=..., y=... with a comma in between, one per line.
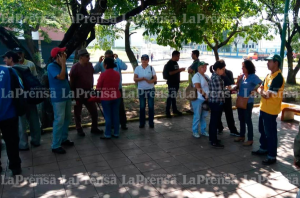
x=172, y=161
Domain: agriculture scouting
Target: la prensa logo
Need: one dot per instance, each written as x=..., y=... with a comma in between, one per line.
x=2, y=72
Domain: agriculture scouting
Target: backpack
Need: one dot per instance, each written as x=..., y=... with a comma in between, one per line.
x=152, y=75
x=165, y=72
x=31, y=84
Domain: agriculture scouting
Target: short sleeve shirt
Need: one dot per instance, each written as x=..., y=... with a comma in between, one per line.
x=247, y=85
x=146, y=73
x=82, y=76
x=173, y=79
x=31, y=66
x=198, y=78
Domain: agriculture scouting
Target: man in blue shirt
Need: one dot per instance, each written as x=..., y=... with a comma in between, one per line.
x=9, y=120
x=120, y=66
x=61, y=99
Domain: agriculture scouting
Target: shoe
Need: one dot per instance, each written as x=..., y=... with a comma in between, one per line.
x=17, y=171
x=67, y=143
x=97, y=131
x=248, y=143
x=141, y=126
x=239, y=139
x=259, y=152
x=237, y=134
x=205, y=134
x=59, y=150
x=217, y=145
x=124, y=127
x=115, y=136
x=168, y=116
x=26, y=149
x=218, y=141
x=190, y=112
x=269, y=161
x=105, y=138
x=177, y=113
x=35, y=145
x=220, y=130
x=196, y=135
x=151, y=126
x=80, y=132
x=0, y=169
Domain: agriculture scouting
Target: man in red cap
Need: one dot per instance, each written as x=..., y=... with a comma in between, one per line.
x=61, y=99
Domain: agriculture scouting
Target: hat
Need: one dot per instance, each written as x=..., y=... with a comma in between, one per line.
x=83, y=52
x=17, y=50
x=201, y=63
x=10, y=54
x=109, y=52
x=276, y=57
x=56, y=50
x=145, y=56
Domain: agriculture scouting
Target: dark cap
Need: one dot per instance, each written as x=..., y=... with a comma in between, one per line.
x=18, y=50
x=201, y=63
x=276, y=57
x=83, y=52
x=145, y=56
x=109, y=52
x=10, y=54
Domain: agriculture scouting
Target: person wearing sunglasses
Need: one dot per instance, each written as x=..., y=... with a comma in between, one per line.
x=82, y=82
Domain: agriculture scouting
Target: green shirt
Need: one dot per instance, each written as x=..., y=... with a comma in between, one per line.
x=194, y=67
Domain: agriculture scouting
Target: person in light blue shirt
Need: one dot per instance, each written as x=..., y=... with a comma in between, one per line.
x=120, y=66
x=246, y=84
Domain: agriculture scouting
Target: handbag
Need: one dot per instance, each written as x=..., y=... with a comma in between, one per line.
x=241, y=102
x=191, y=93
x=205, y=105
x=153, y=76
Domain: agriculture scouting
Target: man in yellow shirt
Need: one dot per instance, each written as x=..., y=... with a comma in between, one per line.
x=271, y=92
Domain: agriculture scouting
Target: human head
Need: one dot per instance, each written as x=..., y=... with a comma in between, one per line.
x=145, y=59
x=109, y=63
x=175, y=55
x=202, y=67
x=248, y=67
x=195, y=54
x=218, y=67
x=274, y=62
x=109, y=54
x=10, y=58
x=55, y=52
x=20, y=53
x=84, y=56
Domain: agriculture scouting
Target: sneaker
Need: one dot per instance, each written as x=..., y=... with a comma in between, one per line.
x=177, y=113
x=97, y=131
x=269, y=161
x=17, y=171
x=80, y=132
x=259, y=152
x=220, y=130
x=190, y=112
x=115, y=136
x=35, y=145
x=59, y=150
x=237, y=134
x=67, y=143
x=196, y=135
x=205, y=134
x=124, y=127
x=217, y=145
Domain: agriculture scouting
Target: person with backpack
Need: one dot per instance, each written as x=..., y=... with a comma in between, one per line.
x=12, y=59
x=145, y=76
x=25, y=62
x=9, y=116
x=172, y=72
x=61, y=100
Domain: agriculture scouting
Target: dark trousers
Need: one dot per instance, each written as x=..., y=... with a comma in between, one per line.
x=229, y=116
x=122, y=112
x=143, y=96
x=91, y=107
x=10, y=135
x=245, y=117
x=171, y=100
x=268, y=133
x=216, y=113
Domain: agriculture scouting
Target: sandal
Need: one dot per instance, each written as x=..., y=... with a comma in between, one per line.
x=248, y=143
x=239, y=139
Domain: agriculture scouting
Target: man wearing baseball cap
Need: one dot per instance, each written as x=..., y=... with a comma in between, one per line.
x=61, y=99
x=271, y=92
x=25, y=62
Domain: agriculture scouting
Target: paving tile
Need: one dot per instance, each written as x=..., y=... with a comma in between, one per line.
x=142, y=191
x=179, y=194
x=140, y=158
x=121, y=193
x=82, y=191
x=43, y=160
x=196, y=165
x=98, y=166
x=167, y=162
x=113, y=155
x=70, y=163
x=132, y=152
x=119, y=162
x=147, y=166
x=68, y=155
x=92, y=159
x=126, y=170
x=54, y=194
x=159, y=155
x=45, y=168
x=88, y=152
x=178, y=170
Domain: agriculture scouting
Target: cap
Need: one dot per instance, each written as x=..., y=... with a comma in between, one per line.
x=201, y=63
x=56, y=50
x=109, y=52
x=17, y=50
x=9, y=54
x=83, y=52
x=145, y=56
x=276, y=57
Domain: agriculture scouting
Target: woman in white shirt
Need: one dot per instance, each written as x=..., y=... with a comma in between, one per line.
x=145, y=76
x=200, y=81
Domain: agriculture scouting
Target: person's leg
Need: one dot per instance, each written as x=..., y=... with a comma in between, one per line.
x=203, y=115
x=142, y=107
x=58, y=123
x=261, y=128
x=23, y=141
x=122, y=112
x=77, y=114
x=9, y=129
x=270, y=126
x=229, y=115
x=213, y=122
x=174, y=95
x=220, y=126
x=107, y=114
x=92, y=108
x=196, y=117
x=34, y=123
x=151, y=95
x=115, y=113
x=169, y=99
x=242, y=113
x=249, y=121
x=67, y=120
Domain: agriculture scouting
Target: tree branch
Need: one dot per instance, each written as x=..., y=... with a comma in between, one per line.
x=230, y=35
x=132, y=33
x=92, y=37
x=207, y=42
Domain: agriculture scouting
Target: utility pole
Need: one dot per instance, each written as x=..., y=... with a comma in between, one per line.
x=283, y=34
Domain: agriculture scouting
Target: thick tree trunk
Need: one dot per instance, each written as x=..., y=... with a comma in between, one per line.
x=216, y=53
x=291, y=78
x=128, y=50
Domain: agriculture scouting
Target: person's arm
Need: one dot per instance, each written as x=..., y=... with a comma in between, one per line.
x=190, y=70
x=137, y=79
x=62, y=63
x=152, y=80
x=274, y=87
x=72, y=78
x=200, y=90
x=33, y=69
x=230, y=76
x=100, y=82
x=98, y=67
x=256, y=82
x=176, y=71
x=121, y=64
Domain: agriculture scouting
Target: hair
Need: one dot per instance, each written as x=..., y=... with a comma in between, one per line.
x=196, y=52
x=250, y=67
x=220, y=64
x=279, y=63
x=14, y=56
x=175, y=53
x=110, y=63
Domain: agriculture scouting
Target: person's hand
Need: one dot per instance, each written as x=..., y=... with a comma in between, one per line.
x=115, y=56
x=62, y=59
x=296, y=164
x=239, y=77
x=182, y=69
x=101, y=59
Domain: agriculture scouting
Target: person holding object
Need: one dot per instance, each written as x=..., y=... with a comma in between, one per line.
x=271, y=92
x=173, y=70
x=61, y=100
x=145, y=76
x=247, y=85
x=99, y=67
x=81, y=77
x=200, y=81
x=216, y=101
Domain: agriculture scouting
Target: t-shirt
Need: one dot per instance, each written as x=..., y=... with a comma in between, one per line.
x=228, y=78
x=173, y=79
x=108, y=84
x=246, y=86
x=198, y=78
x=31, y=66
x=8, y=110
x=82, y=76
x=194, y=67
x=59, y=89
x=274, y=83
x=146, y=73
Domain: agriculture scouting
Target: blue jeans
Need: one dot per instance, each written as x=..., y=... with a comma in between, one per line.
x=111, y=115
x=215, y=116
x=268, y=129
x=143, y=95
x=245, y=117
x=62, y=118
x=199, y=116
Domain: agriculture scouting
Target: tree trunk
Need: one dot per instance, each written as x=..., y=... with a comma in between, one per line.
x=216, y=53
x=128, y=50
x=291, y=78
